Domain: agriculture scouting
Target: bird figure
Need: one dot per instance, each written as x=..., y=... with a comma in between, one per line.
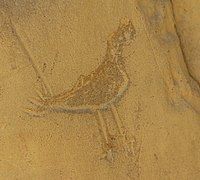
x=102, y=89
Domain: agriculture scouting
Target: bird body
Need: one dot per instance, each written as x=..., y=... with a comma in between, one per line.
x=97, y=91
x=105, y=85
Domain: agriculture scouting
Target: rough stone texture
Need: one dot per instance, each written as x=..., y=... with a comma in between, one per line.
x=187, y=18
x=67, y=39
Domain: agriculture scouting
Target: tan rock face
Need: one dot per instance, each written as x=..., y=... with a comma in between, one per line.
x=46, y=45
x=187, y=18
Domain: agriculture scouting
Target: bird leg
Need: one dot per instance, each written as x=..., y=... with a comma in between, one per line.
x=102, y=126
x=109, y=153
x=128, y=146
x=117, y=119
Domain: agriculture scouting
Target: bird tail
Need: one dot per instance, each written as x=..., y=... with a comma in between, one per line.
x=38, y=105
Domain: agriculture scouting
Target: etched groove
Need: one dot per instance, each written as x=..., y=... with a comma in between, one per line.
x=26, y=52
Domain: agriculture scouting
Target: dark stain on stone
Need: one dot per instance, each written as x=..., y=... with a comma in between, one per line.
x=18, y=9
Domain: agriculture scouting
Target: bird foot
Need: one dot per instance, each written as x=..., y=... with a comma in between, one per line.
x=127, y=143
x=129, y=148
x=108, y=155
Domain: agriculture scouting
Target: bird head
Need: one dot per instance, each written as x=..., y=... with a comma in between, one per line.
x=126, y=31
x=123, y=36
